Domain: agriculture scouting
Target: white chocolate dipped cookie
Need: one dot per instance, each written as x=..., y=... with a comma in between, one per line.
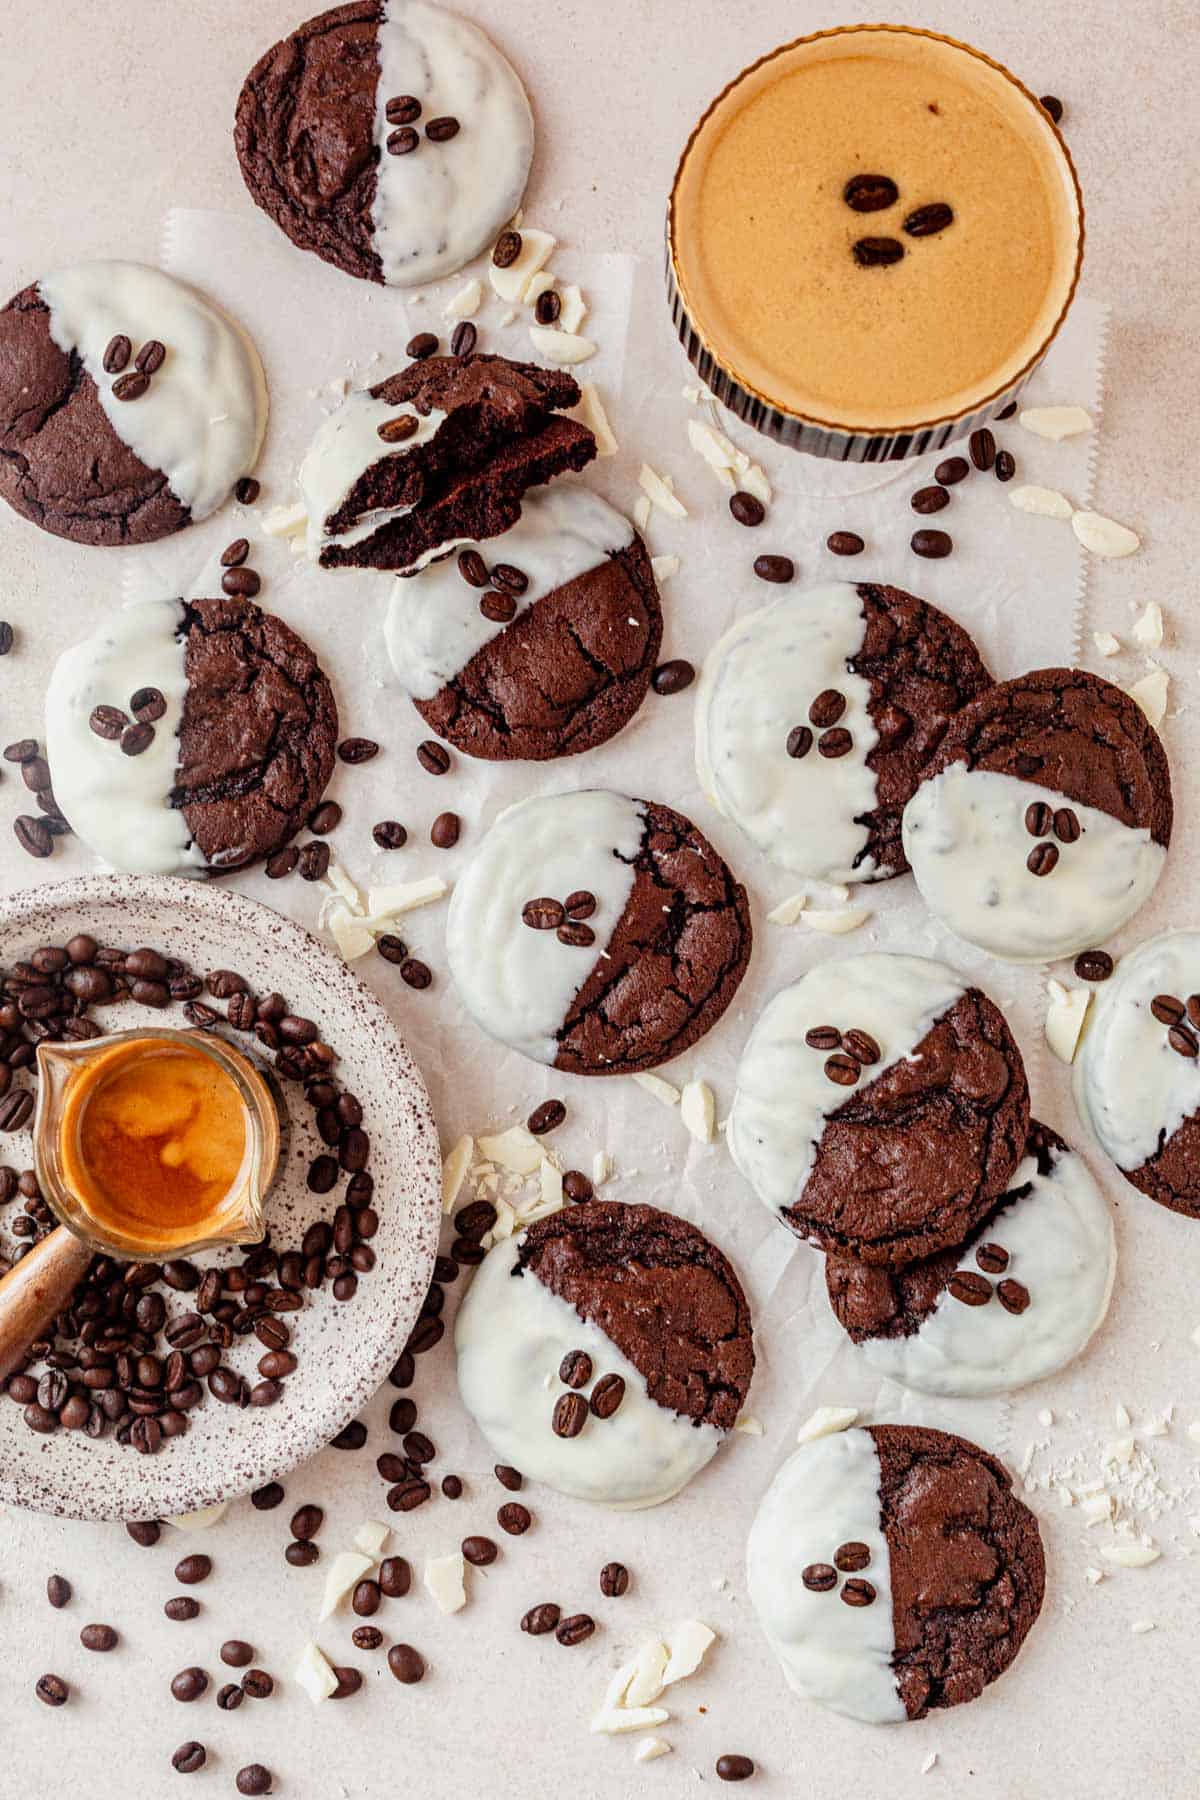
x=390, y=137
x=816, y=716
x=1042, y=824
x=130, y=405
x=607, y=1352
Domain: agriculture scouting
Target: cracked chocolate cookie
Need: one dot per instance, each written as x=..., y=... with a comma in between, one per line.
x=437, y=456
x=894, y=1571
x=537, y=643
x=607, y=1352
x=1016, y=1301
x=389, y=137
x=596, y=933
x=189, y=737
x=1042, y=823
x=129, y=406
x=881, y=1107
x=1137, y=1070
x=817, y=715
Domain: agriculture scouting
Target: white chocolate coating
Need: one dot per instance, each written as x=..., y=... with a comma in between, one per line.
x=203, y=417
x=511, y=1335
x=116, y=803
x=758, y=682
x=434, y=625
x=783, y=1095
x=1062, y=1248
x=1131, y=1088
x=441, y=204
x=827, y=1494
x=964, y=835
x=518, y=983
x=344, y=447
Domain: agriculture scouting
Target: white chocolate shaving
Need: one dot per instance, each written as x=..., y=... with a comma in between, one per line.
x=1147, y=631
x=345, y=1571
x=660, y=1090
x=315, y=1674
x=560, y=346
x=454, y=1171
x=660, y=494
x=1048, y=503
x=1065, y=1014
x=824, y=1421
x=1103, y=536
x=444, y=1579
x=537, y=247
x=466, y=303
x=1055, y=422
x=591, y=414
x=1151, y=695
x=698, y=1110
x=836, y=923
x=1106, y=643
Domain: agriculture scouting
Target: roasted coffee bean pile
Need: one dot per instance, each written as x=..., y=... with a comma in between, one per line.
x=132, y=383
x=36, y=836
x=119, y=1359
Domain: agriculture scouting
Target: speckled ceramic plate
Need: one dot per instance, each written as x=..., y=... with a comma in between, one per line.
x=345, y=1349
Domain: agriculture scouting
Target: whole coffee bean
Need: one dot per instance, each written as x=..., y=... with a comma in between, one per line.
x=324, y=818
x=189, y=1684
x=861, y=1046
x=98, y=1637
x=313, y=861
x=778, y=569
x=433, y=757
x=575, y=1629
x=406, y=1664
x=463, y=338
x=366, y=1637
x=514, y=1518
x=930, y=499
x=547, y=307
x=734, y=1768
x=7, y=637
x=1042, y=859
x=541, y=1619
x=402, y=109
x=747, y=509
x=242, y=583
x=992, y=1258
x=35, y=839
x=614, y=1580
x=480, y=1551
x=575, y=1369
x=569, y=1416
x=230, y=1697
x=877, y=252
x=1093, y=965
x=416, y=974
x=1012, y=1295
x=246, y=491
x=265, y=1499
x=257, y=1684
x=301, y=1554
x=395, y=1577
x=444, y=832
x=845, y=543
x=421, y=346
x=507, y=248
x=870, y=193
x=982, y=447
x=546, y=1117
x=131, y=386
x=931, y=543
x=389, y=834
x=673, y=677
x=189, y=1758
x=927, y=221
x=282, y=863
x=192, y=1569
x=607, y=1396
x=58, y=1591
x=1053, y=106
x=150, y=357
x=108, y=722
x=307, y=1521
x=254, y=1779
x=348, y=1681
x=145, y=1532
x=1005, y=465
x=236, y=1653
x=116, y=356
x=181, y=1607
x=401, y=143
x=843, y=1070
x=577, y=1187
x=969, y=1288
x=367, y=1598
x=355, y=750
x=441, y=130
x=452, y=1487
x=406, y=1496
x=52, y=1690
x=1066, y=825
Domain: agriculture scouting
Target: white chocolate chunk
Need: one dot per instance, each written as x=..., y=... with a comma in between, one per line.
x=688, y=1643
x=748, y=1425
x=661, y=1090
x=826, y=1420
x=537, y=247
x=1103, y=536
x=788, y=911
x=1151, y=695
x=574, y=308
x=444, y=1579
x=550, y=1182
x=204, y=1520
x=345, y=1571
x=641, y=512
x=344, y=887
x=601, y=1168
x=650, y=1748
x=405, y=896
x=1130, y=1555
x=663, y=567
x=1065, y=1014
x=659, y=494
x=698, y=1110
x=466, y=303
x=371, y=1537
x=1106, y=643
x=754, y=482
x=516, y=1150
x=646, y=1683
x=591, y=414
x=315, y=1674
x=454, y=1170
x=835, y=923
x=1147, y=631
x=1046, y=502
x=622, y=1719
x=285, y=521
x=1055, y=422
x=1094, y=1576
x=560, y=347
x=1140, y=1627
x=352, y=936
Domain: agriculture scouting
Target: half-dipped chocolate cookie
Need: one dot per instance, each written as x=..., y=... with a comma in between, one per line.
x=189, y=737
x=1042, y=824
x=599, y=934
x=1014, y=1303
x=537, y=643
x=129, y=405
x=435, y=457
x=881, y=1107
x=894, y=1571
x=1137, y=1070
x=607, y=1352
x=390, y=137
x=816, y=716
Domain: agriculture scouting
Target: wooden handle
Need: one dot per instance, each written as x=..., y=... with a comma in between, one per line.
x=35, y=1291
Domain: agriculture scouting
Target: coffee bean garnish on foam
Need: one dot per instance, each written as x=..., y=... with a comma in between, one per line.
x=822, y=1578
x=118, y=1360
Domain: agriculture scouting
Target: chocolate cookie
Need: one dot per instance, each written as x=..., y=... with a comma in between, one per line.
x=1137, y=1070
x=390, y=137
x=434, y=457
x=189, y=737
x=607, y=1352
x=1012, y=1304
x=129, y=405
x=552, y=670
x=881, y=1107
x=894, y=1571
x=816, y=717
x=1042, y=824
x=597, y=933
